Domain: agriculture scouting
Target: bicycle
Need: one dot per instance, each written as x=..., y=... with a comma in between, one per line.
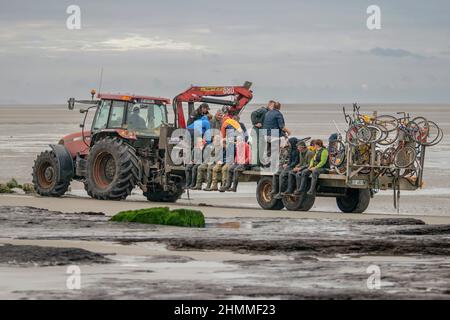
x=363, y=129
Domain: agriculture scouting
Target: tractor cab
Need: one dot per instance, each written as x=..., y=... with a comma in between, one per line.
x=138, y=116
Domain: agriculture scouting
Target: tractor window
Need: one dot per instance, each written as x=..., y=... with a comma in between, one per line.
x=116, y=117
x=146, y=118
x=101, y=118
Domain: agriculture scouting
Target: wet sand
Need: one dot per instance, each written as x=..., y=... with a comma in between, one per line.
x=266, y=258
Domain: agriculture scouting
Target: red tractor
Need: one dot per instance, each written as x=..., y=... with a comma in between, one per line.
x=128, y=145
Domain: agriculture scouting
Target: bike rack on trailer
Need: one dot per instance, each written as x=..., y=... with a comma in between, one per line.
x=376, y=178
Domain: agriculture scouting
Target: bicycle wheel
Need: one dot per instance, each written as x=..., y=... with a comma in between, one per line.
x=388, y=156
x=418, y=131
x=387, y=121
x=391, y=136
x=337, y=153
x=410, y=171
x=422, y=123
x=384, y=133
x=351, y=135
x=405, y=157
x=369, y=134
x=434, y=135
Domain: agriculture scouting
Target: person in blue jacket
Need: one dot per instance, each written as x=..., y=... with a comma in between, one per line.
x=201, y=127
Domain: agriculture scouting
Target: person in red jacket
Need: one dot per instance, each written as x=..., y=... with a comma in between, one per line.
x=242, y=161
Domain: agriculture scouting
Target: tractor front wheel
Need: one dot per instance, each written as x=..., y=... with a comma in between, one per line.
x=46, y=176
x=112, y=170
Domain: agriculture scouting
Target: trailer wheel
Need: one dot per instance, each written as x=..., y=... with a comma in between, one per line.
x=307, y=203
x=46, y=178
x=263, y=196
x=356, y=201
x=112, y=170
x=301, y=203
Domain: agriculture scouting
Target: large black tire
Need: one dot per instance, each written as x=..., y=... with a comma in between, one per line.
x=46, y=178
x=157, y=194
x=263, y=196
x=356, y=201
x=299, y=203
x=112, y=169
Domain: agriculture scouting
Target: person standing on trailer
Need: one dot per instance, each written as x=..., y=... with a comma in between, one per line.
x=257, y=118
x=274, y=120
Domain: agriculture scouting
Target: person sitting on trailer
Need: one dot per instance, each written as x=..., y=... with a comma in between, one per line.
x=319, y=164
x=287, y=168
x=229, y=122
x=283, y=162
x=242, y=162
x=216, y=121
x=210, y=155
x=202, y=110
x=201, y=127
x=196, y=161
x=220, y=167
x=304, y=158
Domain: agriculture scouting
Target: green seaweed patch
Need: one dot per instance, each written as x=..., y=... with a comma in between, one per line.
x=28, y=188
x=163, y=216
x=5, y=189
x=13, y=184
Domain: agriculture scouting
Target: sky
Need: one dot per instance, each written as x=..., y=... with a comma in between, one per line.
x=293, y=51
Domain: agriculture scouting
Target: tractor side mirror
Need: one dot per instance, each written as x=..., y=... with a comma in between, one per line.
x=71, y=103
x=83, y=110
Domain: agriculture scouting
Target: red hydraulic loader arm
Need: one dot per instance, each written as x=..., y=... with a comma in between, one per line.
x=242, y=95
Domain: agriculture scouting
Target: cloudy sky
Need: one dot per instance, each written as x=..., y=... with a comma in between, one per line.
x=294, y=51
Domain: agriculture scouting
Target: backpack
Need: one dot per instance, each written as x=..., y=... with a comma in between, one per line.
x=258, y=115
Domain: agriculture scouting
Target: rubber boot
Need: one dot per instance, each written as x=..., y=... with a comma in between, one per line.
x=233, y=188
x=281, y=179
x=312, y=189
x=291, y=185
x=193, y=177
x=208, y=178
x=302, y=186
x=199, y=181
x=275, y=185
x=188, y=178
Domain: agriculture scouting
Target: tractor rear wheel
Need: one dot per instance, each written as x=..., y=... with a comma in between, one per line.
x=46, y=178
x=112, y=169
x=356, y=201
x=264, y=196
